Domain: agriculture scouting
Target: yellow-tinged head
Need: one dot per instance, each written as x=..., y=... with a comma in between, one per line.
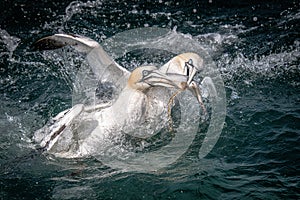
x=145, y=77
x=186, y=64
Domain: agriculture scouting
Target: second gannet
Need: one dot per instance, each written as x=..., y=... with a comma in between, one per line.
x=186, y=64
x=81, y=131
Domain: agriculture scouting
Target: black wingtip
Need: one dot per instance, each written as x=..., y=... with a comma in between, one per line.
x=46, y=43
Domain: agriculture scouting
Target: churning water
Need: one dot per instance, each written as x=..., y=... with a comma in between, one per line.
x=256, y=49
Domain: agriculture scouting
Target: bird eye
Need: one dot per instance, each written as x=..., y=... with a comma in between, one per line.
x=146, y=73
x=190, y=62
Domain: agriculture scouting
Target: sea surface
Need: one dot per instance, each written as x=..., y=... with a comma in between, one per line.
x=256, y=49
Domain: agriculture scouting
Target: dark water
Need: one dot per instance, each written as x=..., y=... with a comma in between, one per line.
x=256, y=49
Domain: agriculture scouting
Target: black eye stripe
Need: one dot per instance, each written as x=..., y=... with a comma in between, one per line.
x=188, y=71
x=146, y=73
x=189, y=64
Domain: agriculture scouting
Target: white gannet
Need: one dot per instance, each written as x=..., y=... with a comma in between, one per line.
x=81, y=131
x=186, y=64
x=182, y=66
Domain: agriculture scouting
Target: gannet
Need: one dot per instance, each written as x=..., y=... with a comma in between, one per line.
x=81, y=131
x=66, y=135
x=186, y=64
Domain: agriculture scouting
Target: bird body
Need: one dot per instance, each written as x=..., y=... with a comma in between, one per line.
x=140, y=110
x=80, y=131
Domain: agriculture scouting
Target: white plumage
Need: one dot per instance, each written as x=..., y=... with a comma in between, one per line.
x=142, y=103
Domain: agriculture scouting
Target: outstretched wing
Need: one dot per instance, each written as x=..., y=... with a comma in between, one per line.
x=48, y=135
x=80, y=43
x=103, y=66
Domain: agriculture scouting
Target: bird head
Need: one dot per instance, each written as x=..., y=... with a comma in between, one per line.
x=187, y=64
x=145, y=77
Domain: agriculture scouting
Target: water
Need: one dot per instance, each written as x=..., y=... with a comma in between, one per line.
x=256, y=49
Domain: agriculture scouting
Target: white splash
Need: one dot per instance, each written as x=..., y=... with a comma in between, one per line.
x=10, y=42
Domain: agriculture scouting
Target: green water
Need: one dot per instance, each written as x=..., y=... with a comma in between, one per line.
x=255, y=47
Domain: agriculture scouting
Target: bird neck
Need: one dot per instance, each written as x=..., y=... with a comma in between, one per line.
x=128, y=97
x=129, y=109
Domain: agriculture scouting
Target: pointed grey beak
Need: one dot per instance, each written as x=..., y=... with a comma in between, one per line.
x=194, y=88
x=190, y=70
x=157, y=78
x=191, y=75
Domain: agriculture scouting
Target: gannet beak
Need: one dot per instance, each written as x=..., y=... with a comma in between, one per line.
x=191, y=75
x=190, y=70
x=194, y=88
x=171, y=80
